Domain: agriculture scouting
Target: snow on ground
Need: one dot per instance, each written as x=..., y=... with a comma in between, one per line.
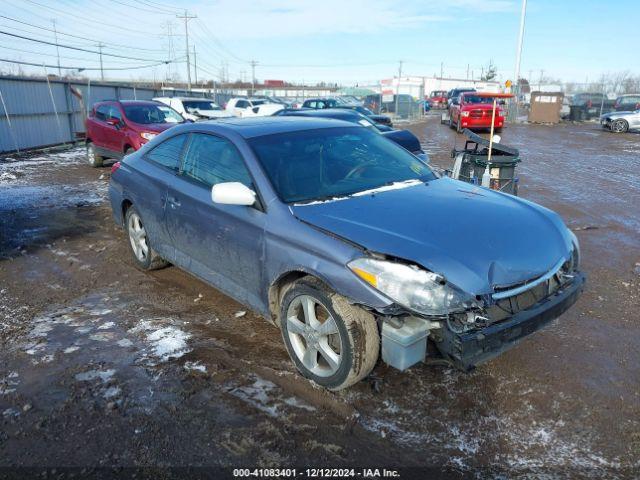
x=12, y=169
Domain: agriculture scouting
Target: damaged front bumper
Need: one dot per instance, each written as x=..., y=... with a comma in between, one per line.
x=468, y=349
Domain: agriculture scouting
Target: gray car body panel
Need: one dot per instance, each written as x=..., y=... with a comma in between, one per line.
x=632, y=118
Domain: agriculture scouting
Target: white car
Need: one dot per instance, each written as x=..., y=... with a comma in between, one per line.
x=248, y=107
x=194, y=108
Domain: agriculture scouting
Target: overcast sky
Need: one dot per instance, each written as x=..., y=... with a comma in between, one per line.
x=345, y=41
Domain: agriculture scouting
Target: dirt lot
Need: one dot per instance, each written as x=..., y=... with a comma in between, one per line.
x=104, y=366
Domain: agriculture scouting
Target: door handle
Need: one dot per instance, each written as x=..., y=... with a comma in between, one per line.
x=173, y=201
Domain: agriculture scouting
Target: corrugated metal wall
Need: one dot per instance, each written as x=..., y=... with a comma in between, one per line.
x=43, y=114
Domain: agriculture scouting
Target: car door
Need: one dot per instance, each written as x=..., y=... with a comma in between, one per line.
x=98, y=126
x=157, y=170
x=117, y=133
x=222, y=244
x=240, y=107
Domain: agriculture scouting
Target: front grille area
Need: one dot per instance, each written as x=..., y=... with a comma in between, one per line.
x=507, y=307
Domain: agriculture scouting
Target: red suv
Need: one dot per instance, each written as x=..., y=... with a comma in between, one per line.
x=472, y=110
x=117, y=128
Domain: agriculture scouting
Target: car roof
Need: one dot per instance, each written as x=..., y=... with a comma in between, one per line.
x=192, y=98
x=137, y=102
x=259, y=126
x=323, y=113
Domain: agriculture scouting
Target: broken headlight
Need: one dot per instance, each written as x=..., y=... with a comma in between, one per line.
x=575, y=252
x=412, y=287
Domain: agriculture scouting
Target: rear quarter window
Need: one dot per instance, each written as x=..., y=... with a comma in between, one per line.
x=167, y=154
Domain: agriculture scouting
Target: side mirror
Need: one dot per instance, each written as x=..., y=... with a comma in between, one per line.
x=114, y=122
x=233, y=193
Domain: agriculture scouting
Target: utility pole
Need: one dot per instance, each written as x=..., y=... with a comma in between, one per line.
x=253, y=76
x=516, y=75
x=467, y=71
x=100, y=45
x=398, y=87
x=55, y=35
x=441, y=70
x=186, y=17
x=172, y=54
x=195, y=64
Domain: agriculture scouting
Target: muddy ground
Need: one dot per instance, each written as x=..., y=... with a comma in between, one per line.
x=104, y=366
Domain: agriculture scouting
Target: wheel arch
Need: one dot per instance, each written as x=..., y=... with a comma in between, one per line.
x=125, y=205
x=286, y=278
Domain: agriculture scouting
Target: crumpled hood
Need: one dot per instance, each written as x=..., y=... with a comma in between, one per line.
x=478, y=239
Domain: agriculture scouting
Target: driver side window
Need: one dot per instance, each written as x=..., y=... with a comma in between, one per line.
x=212, y=160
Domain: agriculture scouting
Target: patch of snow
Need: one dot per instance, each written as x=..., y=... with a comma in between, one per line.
x=296, y=402
x=169, y=342
x=71, y=349
x=257, y=395
x=195, y=366
x=111, y=392
x=125, y=342
x=106, y=326
x=104, y=375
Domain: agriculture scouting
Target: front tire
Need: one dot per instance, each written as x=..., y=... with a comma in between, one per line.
x=93, y=158
x=144, y=256
x=330, y=341
x=619, y=126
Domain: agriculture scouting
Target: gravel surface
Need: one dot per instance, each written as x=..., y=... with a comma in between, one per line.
x=104, y=366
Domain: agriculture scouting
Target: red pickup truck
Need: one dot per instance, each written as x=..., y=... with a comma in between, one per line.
x=438, y=99
x=473, y=111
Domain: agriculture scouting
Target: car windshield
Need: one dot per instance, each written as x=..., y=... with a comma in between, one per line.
x=148, y=114
x=476, y=99
x=363, y=111
x=334, y=162
x=193, y=105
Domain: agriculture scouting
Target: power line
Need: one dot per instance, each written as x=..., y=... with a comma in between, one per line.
x=71, y=47
x=111, y=45
x=161, y=6
x=93, y=21
x=142, y=9
x=208, y=32
x=45, y=54
x=83, y=68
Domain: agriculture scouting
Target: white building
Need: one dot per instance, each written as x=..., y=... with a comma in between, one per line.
x=419, y=86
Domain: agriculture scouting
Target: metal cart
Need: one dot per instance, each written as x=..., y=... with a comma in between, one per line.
x=470, y=163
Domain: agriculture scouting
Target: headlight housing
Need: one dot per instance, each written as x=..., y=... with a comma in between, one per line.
x=148, y=135
x=412, y=287
x=575, y=253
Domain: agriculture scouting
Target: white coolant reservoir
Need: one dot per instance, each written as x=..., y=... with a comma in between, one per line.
x=406, y=344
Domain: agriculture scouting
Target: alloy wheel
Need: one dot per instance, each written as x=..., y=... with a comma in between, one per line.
x=619, y=126
x=138, y=237
x=314, y=336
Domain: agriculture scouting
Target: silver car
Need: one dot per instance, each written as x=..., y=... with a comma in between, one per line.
x=620, y=122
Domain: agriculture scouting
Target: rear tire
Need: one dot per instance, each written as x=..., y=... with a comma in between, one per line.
x=93, y=158
x=144, y=257
x=337, y=345
x=619, y=126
